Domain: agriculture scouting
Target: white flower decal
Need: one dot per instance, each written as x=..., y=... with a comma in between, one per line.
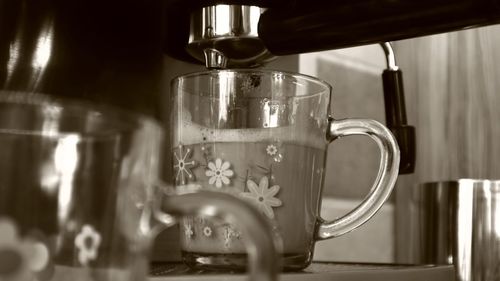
x=87, y=242
x=20, y=259
x=183, y=165
x=271, y=150
x=274, y=150
x=207, y=231
x=219, y=172
x=188, y=230
x=262, y=196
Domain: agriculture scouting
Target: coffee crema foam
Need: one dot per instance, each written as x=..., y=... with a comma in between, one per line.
x=190, y=133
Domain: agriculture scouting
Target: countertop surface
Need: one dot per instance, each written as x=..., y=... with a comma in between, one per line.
x=318, y=271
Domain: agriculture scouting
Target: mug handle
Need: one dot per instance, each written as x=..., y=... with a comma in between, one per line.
x=384, y=183
x=261, y=243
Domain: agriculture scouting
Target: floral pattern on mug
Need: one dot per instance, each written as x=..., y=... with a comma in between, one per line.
x=188, y=230
x=219, y=173
x=274, y=150
x=262, y=196
x=20, y=259
x=87, y=242
x=207, y=231
x=271, y=150
x=184, y=165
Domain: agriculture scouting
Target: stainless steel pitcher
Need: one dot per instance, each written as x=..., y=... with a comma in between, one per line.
x=457, y=222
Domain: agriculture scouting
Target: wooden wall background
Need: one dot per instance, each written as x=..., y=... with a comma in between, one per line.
x=452, y=84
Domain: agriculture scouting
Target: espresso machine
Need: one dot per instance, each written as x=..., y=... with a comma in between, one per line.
x=112, y=51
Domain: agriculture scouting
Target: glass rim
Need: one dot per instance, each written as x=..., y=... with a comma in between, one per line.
x=76, y=106
x=308, y=78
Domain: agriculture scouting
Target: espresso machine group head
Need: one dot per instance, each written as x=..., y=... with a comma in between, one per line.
x=226, y=36
x=251, y=32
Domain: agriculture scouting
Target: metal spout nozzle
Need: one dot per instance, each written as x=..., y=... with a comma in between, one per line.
x=214, y=59
x=226, y=36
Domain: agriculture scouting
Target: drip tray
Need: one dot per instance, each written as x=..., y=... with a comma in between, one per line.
x=318, y=271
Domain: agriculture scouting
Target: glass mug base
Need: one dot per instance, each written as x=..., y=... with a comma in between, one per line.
x=238, y=262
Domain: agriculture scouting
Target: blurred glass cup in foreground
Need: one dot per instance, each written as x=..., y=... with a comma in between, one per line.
x=81, y=199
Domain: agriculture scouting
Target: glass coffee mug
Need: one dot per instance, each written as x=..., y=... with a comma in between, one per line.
x=263, y=135
x=80, y=197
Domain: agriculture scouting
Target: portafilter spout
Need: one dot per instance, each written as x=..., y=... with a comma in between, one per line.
x=226, y=36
